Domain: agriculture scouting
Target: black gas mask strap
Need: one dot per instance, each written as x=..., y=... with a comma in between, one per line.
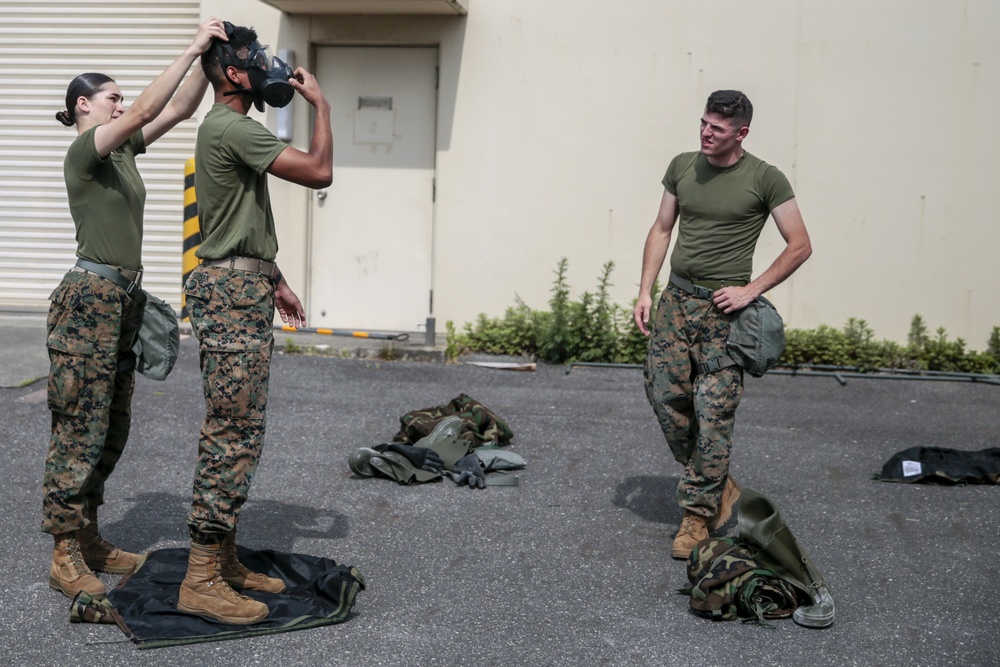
x=227, y=57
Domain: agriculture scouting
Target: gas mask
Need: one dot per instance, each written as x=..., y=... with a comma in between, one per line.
x=268, y=74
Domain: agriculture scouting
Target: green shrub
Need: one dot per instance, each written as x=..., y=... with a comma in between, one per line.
x=993, y=347
x=516, y=333
x=554, y=344
x=593, y=329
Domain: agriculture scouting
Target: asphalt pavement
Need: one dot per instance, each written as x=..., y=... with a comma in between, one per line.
x=570, y=567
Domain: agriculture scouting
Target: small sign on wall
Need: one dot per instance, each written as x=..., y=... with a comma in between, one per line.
x=374, y=120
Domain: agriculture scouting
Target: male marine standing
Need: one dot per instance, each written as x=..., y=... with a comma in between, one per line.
x=231, y=297
x=722, y=196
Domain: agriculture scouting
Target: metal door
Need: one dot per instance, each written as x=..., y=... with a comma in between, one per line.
x=370, y=236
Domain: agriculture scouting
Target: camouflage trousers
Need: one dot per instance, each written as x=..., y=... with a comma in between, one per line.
x=231, y=313
x=91, y=327
x=696, y=411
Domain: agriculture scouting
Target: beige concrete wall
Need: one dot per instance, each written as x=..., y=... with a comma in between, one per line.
x=558, y=118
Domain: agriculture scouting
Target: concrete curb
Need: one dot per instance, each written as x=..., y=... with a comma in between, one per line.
x=345, y=347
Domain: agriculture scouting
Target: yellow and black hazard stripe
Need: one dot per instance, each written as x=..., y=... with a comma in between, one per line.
x=192, y=232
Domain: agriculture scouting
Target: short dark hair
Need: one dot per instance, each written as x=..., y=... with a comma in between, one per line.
x=731, y=104
x=85, y=85
x=240, y=39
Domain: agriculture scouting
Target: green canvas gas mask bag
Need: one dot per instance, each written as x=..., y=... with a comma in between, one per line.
x=756, y=337
x=158, y=340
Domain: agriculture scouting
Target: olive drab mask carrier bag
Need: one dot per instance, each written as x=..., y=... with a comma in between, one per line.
x=757, y=337
x=756, y=334
x=756, y=340
x=158, y=339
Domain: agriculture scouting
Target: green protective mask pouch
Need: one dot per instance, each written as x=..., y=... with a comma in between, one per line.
x=494, y=458
x=757, y=337
x=158, y=340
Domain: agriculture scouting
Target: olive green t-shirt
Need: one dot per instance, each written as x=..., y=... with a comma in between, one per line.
x=722, y=212
x=231, y=156
x=106, y=199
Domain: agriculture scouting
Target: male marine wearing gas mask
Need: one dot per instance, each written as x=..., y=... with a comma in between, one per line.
x=231, y=297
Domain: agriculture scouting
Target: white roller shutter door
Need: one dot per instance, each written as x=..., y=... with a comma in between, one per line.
x=45, y=44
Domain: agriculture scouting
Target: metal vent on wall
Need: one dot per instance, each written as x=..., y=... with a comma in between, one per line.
x=384, y=103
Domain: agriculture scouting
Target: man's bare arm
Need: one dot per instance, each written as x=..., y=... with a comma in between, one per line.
x=653, y=254
x=315, y=168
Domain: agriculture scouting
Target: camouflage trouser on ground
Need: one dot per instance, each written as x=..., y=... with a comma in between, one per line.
x=696, y=412
x=91, y=328
x=232, y=313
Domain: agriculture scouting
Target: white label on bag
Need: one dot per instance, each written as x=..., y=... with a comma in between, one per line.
x=911, y=468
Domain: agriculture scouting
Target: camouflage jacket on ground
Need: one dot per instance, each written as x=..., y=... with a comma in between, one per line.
x=480, y=425
x=727, y=584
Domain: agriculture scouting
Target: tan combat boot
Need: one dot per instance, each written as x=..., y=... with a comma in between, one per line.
x=69, y=573
x=730, y=494
x=206, y=593
x=239, y=577
x=692, y=531
x=99, y=554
